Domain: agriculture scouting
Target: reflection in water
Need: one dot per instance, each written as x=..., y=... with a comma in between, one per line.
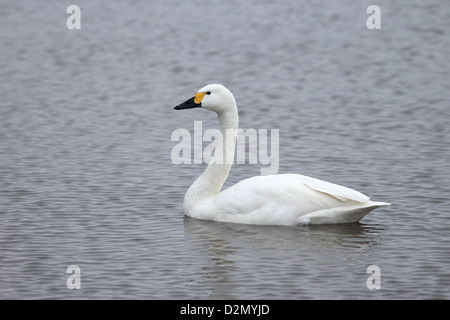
x=226, y=252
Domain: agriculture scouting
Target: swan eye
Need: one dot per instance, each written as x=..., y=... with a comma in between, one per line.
x=208, y=93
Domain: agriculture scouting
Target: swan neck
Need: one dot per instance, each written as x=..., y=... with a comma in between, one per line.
x=211, y=181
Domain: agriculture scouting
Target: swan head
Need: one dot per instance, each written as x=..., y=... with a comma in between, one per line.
x=214, y=97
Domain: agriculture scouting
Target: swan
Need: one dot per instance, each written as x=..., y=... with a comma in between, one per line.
x=280, y=199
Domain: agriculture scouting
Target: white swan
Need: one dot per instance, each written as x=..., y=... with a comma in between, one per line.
x=283, y=199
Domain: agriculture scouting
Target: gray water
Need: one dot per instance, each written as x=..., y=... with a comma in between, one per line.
x=87, y=179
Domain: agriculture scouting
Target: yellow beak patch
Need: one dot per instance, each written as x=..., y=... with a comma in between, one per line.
x=198, y=97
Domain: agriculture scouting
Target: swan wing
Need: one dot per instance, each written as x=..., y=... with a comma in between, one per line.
x=339, y=192
x=285, y=188
x=284, y=198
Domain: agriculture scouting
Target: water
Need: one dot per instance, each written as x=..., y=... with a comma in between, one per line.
x=86, y=176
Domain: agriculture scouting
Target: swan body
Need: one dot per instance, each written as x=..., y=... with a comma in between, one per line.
x=282, y=199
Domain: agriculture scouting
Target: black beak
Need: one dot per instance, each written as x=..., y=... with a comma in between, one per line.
x=188, y=104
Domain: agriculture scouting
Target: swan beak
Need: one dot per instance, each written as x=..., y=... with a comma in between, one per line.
x=194, y=102
x=189, y=104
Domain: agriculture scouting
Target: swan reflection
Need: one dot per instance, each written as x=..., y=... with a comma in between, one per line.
x=235, y=257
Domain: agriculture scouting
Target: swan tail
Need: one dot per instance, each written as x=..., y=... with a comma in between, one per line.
x=343, y=214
